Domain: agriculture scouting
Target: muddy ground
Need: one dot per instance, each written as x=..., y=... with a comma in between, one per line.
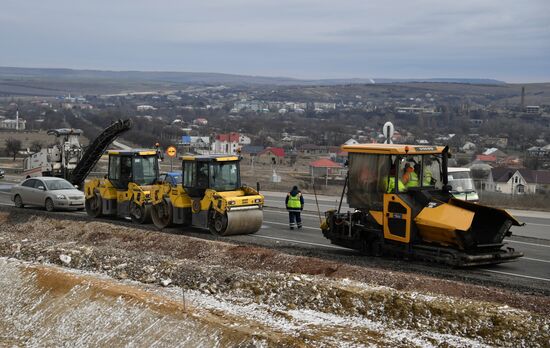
x=282, y=299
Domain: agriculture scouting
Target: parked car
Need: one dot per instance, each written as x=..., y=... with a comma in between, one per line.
x=48, y=192
x=2, y=173
x=173, y=178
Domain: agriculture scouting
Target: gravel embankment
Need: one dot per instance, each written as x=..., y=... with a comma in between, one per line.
x=287, y=288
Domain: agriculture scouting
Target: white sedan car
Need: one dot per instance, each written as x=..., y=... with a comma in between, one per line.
x=48, y=192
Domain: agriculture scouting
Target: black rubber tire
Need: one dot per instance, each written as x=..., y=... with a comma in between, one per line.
x=93, y=206
x=18, y=201
x=49, y=205
x=140, y=214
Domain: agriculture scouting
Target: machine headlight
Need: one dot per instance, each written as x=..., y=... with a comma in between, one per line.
x=258, y=200
x=60, y=196
x=231, y=202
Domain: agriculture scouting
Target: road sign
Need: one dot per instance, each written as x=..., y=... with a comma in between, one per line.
x=171, y=151
x=388, y=130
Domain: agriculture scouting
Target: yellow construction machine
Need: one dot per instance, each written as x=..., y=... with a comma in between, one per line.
x=210, y=196
x=403, y=206
x=125, y=190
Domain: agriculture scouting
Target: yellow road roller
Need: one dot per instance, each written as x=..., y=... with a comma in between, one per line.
x=403, y=206
x=210, y=196
x=125, y=190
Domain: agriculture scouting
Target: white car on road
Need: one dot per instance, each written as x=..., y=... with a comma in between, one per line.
x=48, y=192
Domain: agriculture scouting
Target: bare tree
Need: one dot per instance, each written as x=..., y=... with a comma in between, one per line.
x=13, y=146
x=36, y=146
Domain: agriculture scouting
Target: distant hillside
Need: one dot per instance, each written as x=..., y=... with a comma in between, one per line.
x=204, y=78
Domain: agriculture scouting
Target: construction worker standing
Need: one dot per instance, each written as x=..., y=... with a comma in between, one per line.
x=294, y=204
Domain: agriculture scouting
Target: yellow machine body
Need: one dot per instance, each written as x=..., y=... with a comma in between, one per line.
x=124, y=192
x=419, y=217
x=237, y=210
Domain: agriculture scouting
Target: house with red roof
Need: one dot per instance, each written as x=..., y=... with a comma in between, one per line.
x=273, y=156
x=229, y=143
x=325, y=166
x=487, y=159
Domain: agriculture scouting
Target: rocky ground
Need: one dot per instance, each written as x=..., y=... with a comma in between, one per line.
x=257, y=296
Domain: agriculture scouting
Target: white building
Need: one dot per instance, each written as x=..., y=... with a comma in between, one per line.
x=200, y=142
x=229, y=143
x=226, y=143
x=532, y=109
x=324, y=106
x=517, y=181
x=12, y=124
x=351, y=141
x=415, y=110
x=244, y=140
x=145, y=107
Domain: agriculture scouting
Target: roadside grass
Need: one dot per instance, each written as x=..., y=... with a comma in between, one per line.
x=526, y=201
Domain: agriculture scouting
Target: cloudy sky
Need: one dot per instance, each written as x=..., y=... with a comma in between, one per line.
x=502, y=39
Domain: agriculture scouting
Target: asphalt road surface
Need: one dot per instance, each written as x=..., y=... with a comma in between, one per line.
x=530, y=271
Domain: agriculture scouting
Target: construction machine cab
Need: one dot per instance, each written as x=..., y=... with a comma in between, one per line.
x=133, y=166
x=220, y=173
x=125, y=191
x=380, y=171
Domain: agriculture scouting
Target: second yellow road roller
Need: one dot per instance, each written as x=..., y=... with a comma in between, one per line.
x=210, y=196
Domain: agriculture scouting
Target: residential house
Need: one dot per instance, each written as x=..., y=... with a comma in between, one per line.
x=351, y=141
x=312, y=149
x=244, y=140
x=468, y=147
x=324, y=166
x=250, y=152
x=501, y=141
x=499, y=154
x=339, y=157
x=518, y=181
x=271, y=155
x=539, y=152
x=226, y=143
x=200, y=121
x=487, y=159
x=196, y=142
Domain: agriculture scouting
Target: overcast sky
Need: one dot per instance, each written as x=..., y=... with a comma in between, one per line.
x=502, y=39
